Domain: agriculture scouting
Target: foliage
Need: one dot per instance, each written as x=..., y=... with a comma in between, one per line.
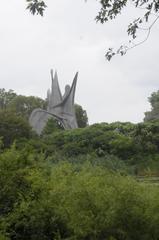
x=52, y=126
x=99, y=138
x=111, y=9
x=20, y=104
x=154, y=101
x=36, y=6
x=135, y=145
x=41, y=200
x=13, y=127
x=6, y=97
x=76, y=184
x=81, y=115
x=23, y=105
x=24, y=209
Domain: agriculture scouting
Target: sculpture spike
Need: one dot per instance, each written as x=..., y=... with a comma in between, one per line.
x=56, y=76
x=56, y=95
x=74, y=85
x=52, y=76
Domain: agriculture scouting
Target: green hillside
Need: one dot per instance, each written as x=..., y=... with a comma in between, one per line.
x=96, y=182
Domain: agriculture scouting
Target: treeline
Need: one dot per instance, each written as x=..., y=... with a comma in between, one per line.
x=134, y=147
x=24, y=105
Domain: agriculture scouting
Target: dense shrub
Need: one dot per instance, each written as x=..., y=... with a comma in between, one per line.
x=126, y=141
x=43, y=200
x=13, y=127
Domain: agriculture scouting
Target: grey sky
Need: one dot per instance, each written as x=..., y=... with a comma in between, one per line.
x=68, y=39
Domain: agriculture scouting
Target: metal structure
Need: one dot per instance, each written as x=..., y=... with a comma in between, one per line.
x=59, y=107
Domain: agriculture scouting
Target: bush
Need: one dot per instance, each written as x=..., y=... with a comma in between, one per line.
x=44, y=200
x=13, y=127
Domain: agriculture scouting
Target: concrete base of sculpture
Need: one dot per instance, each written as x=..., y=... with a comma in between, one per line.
x=59, y=107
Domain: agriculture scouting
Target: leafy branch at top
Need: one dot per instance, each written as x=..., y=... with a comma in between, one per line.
x=109, y=10
x=36, y=6
x=123, y=49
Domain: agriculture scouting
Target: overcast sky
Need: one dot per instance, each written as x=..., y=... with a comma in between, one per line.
x=68, y=39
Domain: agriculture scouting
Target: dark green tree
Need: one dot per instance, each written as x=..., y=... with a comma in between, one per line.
x=23, y=105
x=154, y=113
x=6, y=97
x=13, y=127
x=81, y=115
x=52, y=126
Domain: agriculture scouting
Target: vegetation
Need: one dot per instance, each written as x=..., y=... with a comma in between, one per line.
x=40, y=199
x=36, y=6
x=154, y=101
x=19, y=104
x=6, y=97
x=78, y=184
x=13, y=127
x=23, y=106
x=81, y=115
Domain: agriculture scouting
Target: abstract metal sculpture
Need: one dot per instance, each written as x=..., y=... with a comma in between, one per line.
x=59, y=107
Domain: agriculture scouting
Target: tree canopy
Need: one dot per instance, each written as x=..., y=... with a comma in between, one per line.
x=16, y=108
x=24, y=105
x=81, y=115
x=154, y=101
x=13, y=127
x=6, y=97
x=21, y=105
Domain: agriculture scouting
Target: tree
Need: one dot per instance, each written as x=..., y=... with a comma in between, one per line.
x=23, y=105
x=6, y=97
x=154, y=113
x=110, y=9
x=81, y=116
x=13, y=127
x=52, y=126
